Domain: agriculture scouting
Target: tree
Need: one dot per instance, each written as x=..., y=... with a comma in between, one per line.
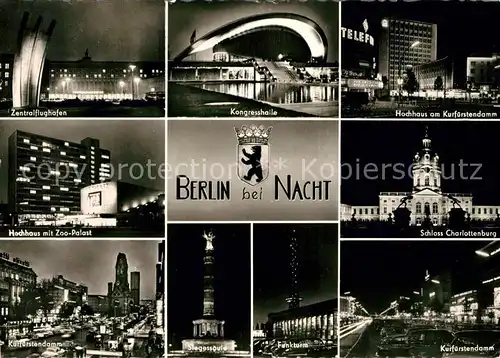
x=31, y=300
x=44, y=298
x=438, y=83
x=66, y=310
x=411, y=84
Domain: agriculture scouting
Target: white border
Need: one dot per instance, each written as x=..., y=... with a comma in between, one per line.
x=251, y=290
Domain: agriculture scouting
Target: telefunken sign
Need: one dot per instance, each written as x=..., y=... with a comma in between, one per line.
x=358, y=36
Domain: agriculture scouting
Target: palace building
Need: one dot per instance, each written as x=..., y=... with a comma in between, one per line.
x=425, y=199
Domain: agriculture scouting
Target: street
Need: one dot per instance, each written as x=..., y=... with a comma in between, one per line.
x=358, y=340
x=79, y=338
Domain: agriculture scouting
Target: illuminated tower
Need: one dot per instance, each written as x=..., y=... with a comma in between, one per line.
x=208, y=332
x=426, y=168
x=208, y=289
x=208, y=326
x=294, y=298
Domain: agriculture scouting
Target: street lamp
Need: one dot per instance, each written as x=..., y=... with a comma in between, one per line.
x=137, y=80
x=132, y=69
x=401, y=58
x=122, y=85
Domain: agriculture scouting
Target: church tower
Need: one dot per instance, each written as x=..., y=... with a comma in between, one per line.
x=120, y=298
x=121, y=272
x=426, y=168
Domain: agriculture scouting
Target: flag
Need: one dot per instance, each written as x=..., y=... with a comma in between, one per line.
x=193, y=37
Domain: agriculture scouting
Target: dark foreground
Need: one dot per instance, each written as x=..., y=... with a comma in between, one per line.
x=188, y=101
x=41, y=232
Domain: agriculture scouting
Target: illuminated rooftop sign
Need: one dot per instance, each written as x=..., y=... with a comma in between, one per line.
x=358, y=36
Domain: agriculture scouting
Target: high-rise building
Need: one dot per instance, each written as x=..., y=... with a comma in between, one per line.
x=482, y=71
x=63, y=291
x=160, y=285
x=16, y=276
x=120, y=296
x=404, y=44
x=135, y=285
x=294, y=298
x=98, y=303
x=46, y=174
x=6, y=67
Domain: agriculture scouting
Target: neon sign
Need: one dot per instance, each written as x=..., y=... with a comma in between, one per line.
x=358, y=36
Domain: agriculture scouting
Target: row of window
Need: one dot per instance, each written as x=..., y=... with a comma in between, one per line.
x=68, y=77
x=65, y=70
x=5, y=66
x=435, y=210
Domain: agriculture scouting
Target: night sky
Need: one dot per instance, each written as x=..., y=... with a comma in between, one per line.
x=202, y=16
x=185, y=251
x=379, y=272
x=317, y=261
x=91, y=263
x=365, y=144
x=464, y=28
x=131, y=141
x=112, y=30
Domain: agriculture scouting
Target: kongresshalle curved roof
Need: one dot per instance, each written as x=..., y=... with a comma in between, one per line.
x=310, y=31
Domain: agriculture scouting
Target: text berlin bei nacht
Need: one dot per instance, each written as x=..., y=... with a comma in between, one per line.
x=284, y=189
x=252, y=161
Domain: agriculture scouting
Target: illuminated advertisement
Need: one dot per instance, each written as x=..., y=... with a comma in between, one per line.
x=358, y=36
x=496, y=297
x=95, y=199
x=99, y=199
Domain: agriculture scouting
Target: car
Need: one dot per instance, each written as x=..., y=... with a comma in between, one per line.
x=53, y=352
x=416, y=343
x=474, y=343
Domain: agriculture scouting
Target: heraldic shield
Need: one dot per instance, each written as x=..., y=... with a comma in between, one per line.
x=253, y=153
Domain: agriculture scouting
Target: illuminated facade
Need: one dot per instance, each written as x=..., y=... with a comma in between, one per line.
x=120, y=296
x=208, y=332
x=312, y=34
x=29, y=63
x=113, y=197
x=404, y=44
x=198, y=71
x=427, y=198
x=86, y=79
x=116, y=203
x=359, y=58
x=45, y=174
x=313, y=321
x=437, y=292
x=427, y=73
x=16, y=276
x=160, y=285
x=482, y=71
x=464, y=305
x=98, y=303
x=6, y=67
x=62, y=291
